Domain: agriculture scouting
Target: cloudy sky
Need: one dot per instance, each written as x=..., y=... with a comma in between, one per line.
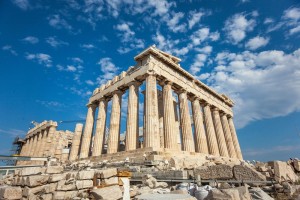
x=54, y=53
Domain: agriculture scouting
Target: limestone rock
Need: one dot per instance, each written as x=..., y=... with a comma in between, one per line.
x=84, y=175
x=61, y=185
x=50, y=187
x=60, y=195
x=28, y=190
x=36, y=180
x=31, y=171
x=54, y=169
x=259, y=194
x=46, y=196
x=246, y=173
x=296, y=164
x=108, y=193
x=165, y=197
x=214, y=172
x=284, y=172
x=175, y=162
x=56, y=177
x=7, y=192
x=106, y=173
x=111, y=181
x=81, y=184
x=216, y=194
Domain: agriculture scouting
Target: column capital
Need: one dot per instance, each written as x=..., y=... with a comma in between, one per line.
x=151, y=73
x=92, y=105
x=204, y=103
x=165, y=81
x=135, y=83
x=215, y=109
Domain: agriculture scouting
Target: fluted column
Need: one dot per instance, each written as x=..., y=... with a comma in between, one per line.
x=100, y=128
x=186, y=127
x=88, y=131
x=219, y=133
x=199, y=135
x=30, y=140
x=132, y=131
x=76, y=142
x=33, y=150
x=114, y=128
x=170, y=137
x=53, y=141
x=228, y=138
x=151, y=134
x=210, y=131
x=43, y=143
x=235, y=139
x=38, y=144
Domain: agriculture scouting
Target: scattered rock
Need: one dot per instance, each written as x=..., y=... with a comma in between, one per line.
x=54, y=169
x=109, y=193
x=36, y=180
x=31, y=171
x=82, y=184
x=247, y=173
x=214, y=172
x=8, y=192
x=284, y=172
x=84, y=175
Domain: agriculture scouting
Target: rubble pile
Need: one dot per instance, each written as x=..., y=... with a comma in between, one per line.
x=213, y=180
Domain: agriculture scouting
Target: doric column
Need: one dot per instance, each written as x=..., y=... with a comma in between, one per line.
x=132, y=129
x=88, y=131
x=170, y=136
x=186, y=127
x=228, y=138
x=210, y=131
x=33, y=150
x=29, y=140
x=199, y=135
x=235, y=139
x=53, y=141
x=151, y=134
x=100, y=128
x=114, y=128
x=38, y=144
x=219, y=133
x=76, y=142
x=43, y=143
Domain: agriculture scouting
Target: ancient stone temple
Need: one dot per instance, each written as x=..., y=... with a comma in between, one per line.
x=169, y=125
x=44, y=140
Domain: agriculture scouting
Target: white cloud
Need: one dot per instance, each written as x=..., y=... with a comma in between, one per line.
x=23, y=4
x=202, y=35
x=54, y=42
x=237, y=26
x=89, y=82
x=31, y=39
x=263, y=85
x=59, y=23
x=71, y=68
x=257, y=42
x=292, y=14
x=206, y=50
x=194, y=18
x=198, y=63
x=41, y=58
x=9, y=49
x=77, y=60
x=50, y=104
x=108, y=69
x=87, y=46
x=126, y=33
x=173, y=22
x=268, y=20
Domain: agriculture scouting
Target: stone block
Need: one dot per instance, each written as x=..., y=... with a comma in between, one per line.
x=82, y=184
x=84, y=175
x=62, y=186
x=36, y=180
x=284, y=172
x=46, y=196
x=246, y=173
x=214, y=172
x=56, y=177
x=54, y=169
x=28, y=190
x=111, y=181
x=31, y=171
x=165, y=197
x=106, y=173
x=49, y=188
x=71, y=175
x=8, y=192
x=59, y=195
x=296, y=164
x=108, y=193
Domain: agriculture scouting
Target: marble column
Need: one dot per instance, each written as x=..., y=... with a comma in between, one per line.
x=132, y=129
x=219, y=133
x=88, y=131
x=170, y=137
x=100, y=128
x=53, y=141
x=210, y=131
x=29, y=140
x=115, y=119
x=151, y=134
x=43, y=143
x=38, y=144
x=33, y=150
x=186, y=126
x=76, y=142
x=199, y=135
x=235, y=139
x=228, y=138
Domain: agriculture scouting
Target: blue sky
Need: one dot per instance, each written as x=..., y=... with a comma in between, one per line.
x=54, y=53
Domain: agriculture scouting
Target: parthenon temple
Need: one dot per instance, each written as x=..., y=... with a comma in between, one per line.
x=184, y=117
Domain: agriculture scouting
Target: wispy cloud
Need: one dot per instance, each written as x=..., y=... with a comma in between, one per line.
x=40, y=58
x=54, y=42
x=9, y=49
x=22, y=4
x=50, y=104
x=58, y=22
x=31, y=39
x=88, y=46
x=108, y=70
